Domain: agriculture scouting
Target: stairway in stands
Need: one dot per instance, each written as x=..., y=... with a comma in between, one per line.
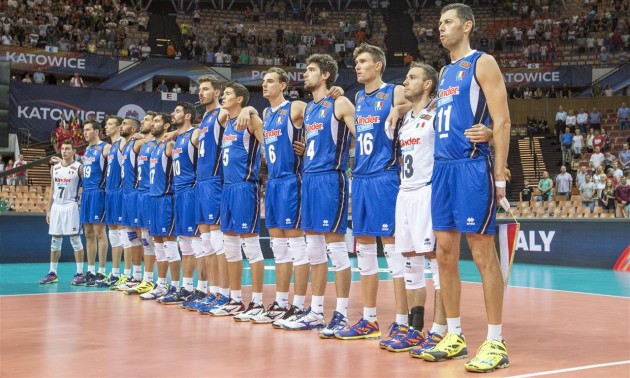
x=39, y=175
x=400, y=39
x=516, y=163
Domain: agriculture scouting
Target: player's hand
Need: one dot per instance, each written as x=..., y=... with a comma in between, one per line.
x=243, y=120
x=55, y=160
x=169, y=136
x=299, y=147
x=502, y=199
x=137, y=136
x=479, y=133
x=392, y=118
x=335, y=92
x=48, y=217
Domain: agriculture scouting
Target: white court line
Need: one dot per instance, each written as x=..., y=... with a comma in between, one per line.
x=558, y=290
x=586, y=367
x=67, y=292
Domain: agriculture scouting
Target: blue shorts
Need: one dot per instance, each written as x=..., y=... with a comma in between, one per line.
x=93, y=207
x=185, y=222
x=162, y=219
x=144, y=209
x=463, y=196
x=209, y=203
x=114, y=206
x=240, y=208
x=283, y=202
x=325, y=202
x=131, y=209
x=374, y=204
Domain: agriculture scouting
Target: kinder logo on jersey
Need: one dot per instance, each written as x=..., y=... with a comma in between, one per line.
x=366, y=123
x=466, y=65
x=63, y=180
x=410, y=142
x=378, y=105
x=460, y=75
x=203, y=130
x=177, y=151
x=228, y=140
x=88, y=159
x=142, y=158
x=153, y=161
x=313, y=129
x=272, y=135
x=382, y=95
x=450, y=91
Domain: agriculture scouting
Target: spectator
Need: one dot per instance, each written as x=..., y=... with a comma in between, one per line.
x=294, y=94
x=176, y=89
x=624, y=157
x=561, y=118
x=596, y=89
x=77, y=81
x=10, y=178
x=571, y=120
x=622, y=196
x=566, y=144
x=596, y=119
x=622, y=116
x=589, y=139
x=609, y=158
x=599, y=140
x=579, y=177
x=564, y=182
x=145, y=51
x=545, y=186
x=1, y=170
x=39, y=77
x=577, y=143
x=588, y=191
x=566, y=91
x=162, y=87
x=543, y=126
x=27, y=78
x=608, y=92
x=616, y=171
x=170, y=50
x=20, y=177
x=597, y=158
x=582, y=120
x=599, y=179
x=193, y=88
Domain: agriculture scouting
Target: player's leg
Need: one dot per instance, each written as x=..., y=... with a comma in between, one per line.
x=55, y=253
x=91, y=243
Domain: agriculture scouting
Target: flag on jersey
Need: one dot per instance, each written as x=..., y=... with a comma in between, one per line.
x=507, y=244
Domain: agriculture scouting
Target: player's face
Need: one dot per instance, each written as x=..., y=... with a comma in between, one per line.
x=207, y=93
x=178, y=116
x=145, y=124
x=313, y=77
x=157, y=126
x=128, y=128
x=67, y=152
x=452, y=29
x=89, y=133
x=366, y=68
x=112, y=127
x=271, y=85
x=230, y=100
x=414, y=84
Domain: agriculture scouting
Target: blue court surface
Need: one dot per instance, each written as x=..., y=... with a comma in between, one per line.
x=22, y=279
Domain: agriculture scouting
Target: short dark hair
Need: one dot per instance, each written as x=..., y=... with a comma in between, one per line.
x=134, y=120
x=429, y=74
x=188, y=109
x=464, y=12
x=151, y=113
x=375, y=52
x=166, y=118
x=96, y=126
x=326, y=63
x=70, y=143
x=117, y=118
x=216, y=84
x=239, y=91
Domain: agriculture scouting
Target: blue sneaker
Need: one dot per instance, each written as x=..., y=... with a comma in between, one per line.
x=397, y=331
x=108, y=281
x=309, y=319
x=171, y=290
x=194, y=306
x=78, y=279
x=220, y=300
x=91, y=279
x=177, y=297
x=363, y=329
x=429, y=342
x=196, y=295
x=50, y=278
x=413, y=339
x=336, y=324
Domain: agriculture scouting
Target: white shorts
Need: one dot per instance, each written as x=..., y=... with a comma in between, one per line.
x=64, y=219
x=414, y=229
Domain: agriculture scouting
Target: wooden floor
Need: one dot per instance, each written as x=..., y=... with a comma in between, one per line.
x=108, y=334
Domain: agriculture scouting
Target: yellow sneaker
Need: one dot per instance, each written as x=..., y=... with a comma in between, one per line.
x=491, y=355
x=452, y=346
x=141, y=288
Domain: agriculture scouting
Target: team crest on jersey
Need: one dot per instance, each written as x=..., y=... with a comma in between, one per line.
x=465, y=64
x=382, y=95
x=322, y=113
x=427, y=117
x=460, y=75
x=326, y=104
x=282, y=111
x=186, y=134
x=378, y=105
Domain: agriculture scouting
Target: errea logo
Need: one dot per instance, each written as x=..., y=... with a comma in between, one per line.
x=287, y=221
x=325, y=223
x=385, y=227
x=470, y=221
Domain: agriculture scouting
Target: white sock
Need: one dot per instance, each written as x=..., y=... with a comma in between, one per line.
x=495, y=332
x=317, y=304
x=237, y=295
x=454, y=325
x=161, y=281
x=298, y=301
x=202, y=286
x=148, y=276
x=369, y=313
x=402, y=319
x=440, y=329
x=342, y=306
x=54, y=265
x=214, y=289
x=100, y=270
x=137, y=272
x=115, y=272
x=188, y=283
x=127, y=272
x=79, y=267
x=225, y=291
x=175, y=284
x=91, y=268
x=282, y=299
x=257, y=298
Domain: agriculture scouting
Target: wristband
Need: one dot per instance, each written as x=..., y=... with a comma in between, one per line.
x=499, y=184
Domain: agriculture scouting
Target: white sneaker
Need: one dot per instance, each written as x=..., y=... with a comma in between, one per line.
x=290, y=316
x=308, y=320
x=231, y=308
x=157, y=292
x=251, y=311
x=336, y=324
x=274, y=312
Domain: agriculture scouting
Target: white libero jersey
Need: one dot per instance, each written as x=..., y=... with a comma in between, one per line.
x=66, y=183
x=417, y=137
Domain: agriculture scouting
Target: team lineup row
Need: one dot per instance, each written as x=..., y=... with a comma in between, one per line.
x=196, y=190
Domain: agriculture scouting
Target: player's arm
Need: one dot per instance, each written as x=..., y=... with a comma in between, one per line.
x=491, y=82
x=400, y=106
x=169, y=148
x=52, y=194
x=138, y=143
x=195, y=137
x=106, y=150
x=344, y=111
x=256, y=128
x=297, y=113
x=244, y=118
x=81, y=171
x=223, y=117
x=479, y=133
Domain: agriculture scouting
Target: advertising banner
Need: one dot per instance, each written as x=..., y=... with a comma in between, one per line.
x=252, y=76
x=573, y=76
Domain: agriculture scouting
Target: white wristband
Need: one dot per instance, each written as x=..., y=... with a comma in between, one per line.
x=499, y=184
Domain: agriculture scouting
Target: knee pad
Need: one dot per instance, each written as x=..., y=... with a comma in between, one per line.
x=124, y=238
x=172, y=253
x=147, y=243
x=196, y=247
x=435, y=273
x=185, y=245
x=297, y=249
x=232, y=248
x=316, y=249
x=77, y=244
x=338, y=253
x=414, y=273
x=134, y=241
x=395, y=261
x=55, y=243
x=114, y=238
x=251, y=247
x=216, y=237
x=160, y=253
x=367, y=259
x=281, y=251
x=206, y=244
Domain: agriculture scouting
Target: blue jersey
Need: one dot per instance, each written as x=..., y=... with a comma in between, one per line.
x=460, y=105
x=280, y=133
x=130, y=162
x=114, y=167
x=241, y=155
x=375, y=150
x=143, y=167
x=209, y=153
x=94, y=169
x=184, y=161
x=327, y=138
x=161, y=171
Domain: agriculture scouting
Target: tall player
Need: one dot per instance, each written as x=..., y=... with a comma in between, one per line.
x=92, y=212
x=240, y=206
x=374, y=189
x=471, y=91
x=281, y=127
x=328, y=123
x=63, y=212
x=184, y=175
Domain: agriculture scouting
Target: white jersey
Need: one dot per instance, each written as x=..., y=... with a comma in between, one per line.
x=66, y=183
x=417, y=137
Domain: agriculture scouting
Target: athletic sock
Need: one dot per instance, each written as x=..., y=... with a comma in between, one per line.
x=282, y=299
x=115, y=272
x=148, y=276
x=188, y=283
x=342, y=306
x=440, y=329
x=127, y=272
x=369, y=314
x=137, y=272
x=202, y=286
x=237, y=295
x=402, y=319
x=454, y=325
x=100, y=270
x=214, y=289
x=495, y=332
x=317, y=304
x=298, y=301
x=53, y=267
x=257, y=298
x=175, y=284
x=161, y=281
x=91, y=268
x=224, y=291
x=79, y=267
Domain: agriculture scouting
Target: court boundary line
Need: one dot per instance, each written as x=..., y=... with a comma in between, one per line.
x=558, y=290
x=567, y=370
